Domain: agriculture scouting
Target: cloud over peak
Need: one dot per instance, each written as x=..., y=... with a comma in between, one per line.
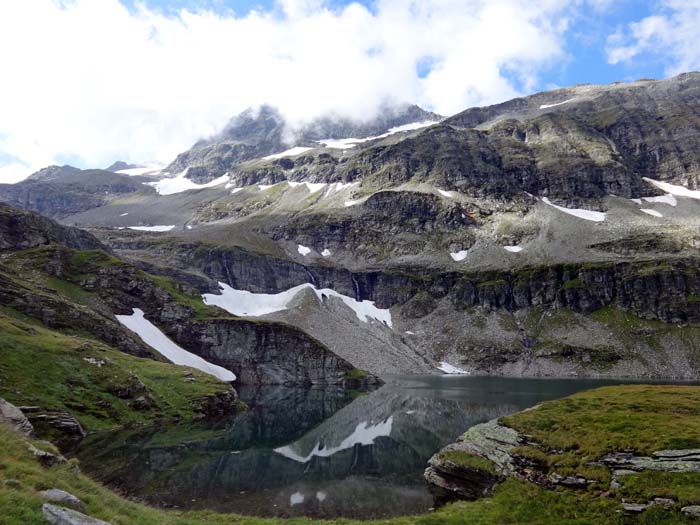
x=91, y=81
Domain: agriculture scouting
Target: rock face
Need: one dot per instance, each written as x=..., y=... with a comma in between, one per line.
x=263, y=353
x=56, y=515
x=65, y=429
x=595, y=141
x=14, y=417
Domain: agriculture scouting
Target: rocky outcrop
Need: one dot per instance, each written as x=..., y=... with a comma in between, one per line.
x=65, y=430
x=471, y=467
x=13, y=416
x=56, y=515
x=20, y=229
x=262, y=353
x=626, y=463
x=62, y=191
x=488, y=453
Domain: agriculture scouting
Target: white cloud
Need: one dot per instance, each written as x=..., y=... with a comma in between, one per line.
x=91, y=80
x=670, y=34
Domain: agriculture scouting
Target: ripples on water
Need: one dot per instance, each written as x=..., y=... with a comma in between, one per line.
x=320, y=452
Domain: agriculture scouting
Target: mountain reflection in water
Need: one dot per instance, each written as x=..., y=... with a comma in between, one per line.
x=315, y=452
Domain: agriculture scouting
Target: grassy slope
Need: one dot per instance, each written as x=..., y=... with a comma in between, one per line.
x=576, y=430
x=49, y=369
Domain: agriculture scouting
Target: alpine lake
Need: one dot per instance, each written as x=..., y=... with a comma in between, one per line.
x=322, y=453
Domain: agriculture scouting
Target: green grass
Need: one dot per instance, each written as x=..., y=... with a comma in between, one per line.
x=462, y=458
x=356, y=374
x=46, y=368
x=588, y=425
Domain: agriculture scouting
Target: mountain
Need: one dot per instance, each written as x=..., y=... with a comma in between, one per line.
x=554, y=234
x=263, y=131
x=60, y=191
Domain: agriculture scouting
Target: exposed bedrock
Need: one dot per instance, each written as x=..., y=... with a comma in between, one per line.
x=264, y=352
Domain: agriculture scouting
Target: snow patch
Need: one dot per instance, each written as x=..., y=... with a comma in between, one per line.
x=321, y=496
x=124, y=214
x=313, y=187
x=545, y=106
x=350, y=142
x=303, y=250
x=182, y=183
x=153, y=337
x=364, y=434
x=459, y=256
x=152, y=228
x=449, y=369
x=673, y=189
x=236, y=190
x=663, y=199
x=143, y=170
x=245, y=303
x=653, y=213
x=298, y=150
x=296, y=499
x=265, y=187
x=352, y=203
x=326, y=252
x=445, y=193
x=513, y=249
x=595, y=216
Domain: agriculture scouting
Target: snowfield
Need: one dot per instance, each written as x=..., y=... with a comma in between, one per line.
x=182, y=183
x=245, y=303
x=545, y=106
x=153, y=337
x=313, y=187
x=350, y=142
x=513, y=249
x=298, y=150
x=653, y=213
x=673, y=189
x=452, y=370
x=152, y=228
x=143, y=170
x=303, y=250
x=595, y=216
x=364, y=434
x=459, y=256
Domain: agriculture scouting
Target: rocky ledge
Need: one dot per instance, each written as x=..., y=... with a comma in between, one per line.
x=488, y=453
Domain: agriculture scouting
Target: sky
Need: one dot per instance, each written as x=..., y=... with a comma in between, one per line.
x=88, y=82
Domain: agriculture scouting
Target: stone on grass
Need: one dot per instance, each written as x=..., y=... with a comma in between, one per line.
x=56, y=515
x=63, y=497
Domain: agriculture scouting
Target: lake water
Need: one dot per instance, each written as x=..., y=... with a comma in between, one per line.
x=320, y=453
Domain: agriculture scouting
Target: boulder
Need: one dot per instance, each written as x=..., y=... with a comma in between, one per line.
x=56, y=515
x=692, y=511
x=63, y=497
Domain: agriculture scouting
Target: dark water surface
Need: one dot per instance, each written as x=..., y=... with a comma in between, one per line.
x=315, y=452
